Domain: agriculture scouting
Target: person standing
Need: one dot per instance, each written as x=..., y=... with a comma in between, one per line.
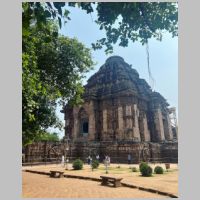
x=108, y=157
x=106, y=163
x=129, y=158
x=97, y=157
x=63, y=161
x=89, y=160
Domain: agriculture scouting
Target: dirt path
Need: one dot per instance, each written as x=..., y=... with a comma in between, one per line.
x=42, y=186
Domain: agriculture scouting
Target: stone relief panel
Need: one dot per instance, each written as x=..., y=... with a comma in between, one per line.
x=128, y=111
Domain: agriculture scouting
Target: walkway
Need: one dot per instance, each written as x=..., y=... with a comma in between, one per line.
x=167, y=182
x=42, y=186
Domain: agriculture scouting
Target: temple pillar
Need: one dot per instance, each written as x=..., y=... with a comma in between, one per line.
x=92, y=127
x=159, y=125
x=105, y=127
x=143, y=126
x=136, y=127
x=120, y=122
x=147, y=137
x=129, y=122
x=76, y=123
x=167, y=128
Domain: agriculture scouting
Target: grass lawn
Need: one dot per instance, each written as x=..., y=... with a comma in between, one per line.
x=125, y=170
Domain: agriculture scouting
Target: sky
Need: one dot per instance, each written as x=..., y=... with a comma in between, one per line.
x=163, y=55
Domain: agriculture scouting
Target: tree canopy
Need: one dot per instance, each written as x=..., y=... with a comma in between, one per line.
x=52, y=66
x=135, y=21
x=46, y=136
x=122, y=21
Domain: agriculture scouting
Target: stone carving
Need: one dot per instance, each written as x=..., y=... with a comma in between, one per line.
x=119, y=106
x=130, y=110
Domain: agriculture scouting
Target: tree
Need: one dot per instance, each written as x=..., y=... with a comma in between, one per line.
x=122, y=21
x=40, y=13
x=46, y=136
x=52, y=67
x=135, y=21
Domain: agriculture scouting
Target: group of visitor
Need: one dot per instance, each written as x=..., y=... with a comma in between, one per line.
x=106, y=159
x=89, y=159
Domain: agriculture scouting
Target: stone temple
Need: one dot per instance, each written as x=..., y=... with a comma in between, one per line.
x=121, y=115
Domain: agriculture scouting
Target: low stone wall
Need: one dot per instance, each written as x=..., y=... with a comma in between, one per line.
x=43, y=152
x=118, y=151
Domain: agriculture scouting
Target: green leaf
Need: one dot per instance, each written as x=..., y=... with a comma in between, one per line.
x=58, y=5
x=60, y=22
x=47, y=14
x=60, y=11
x=66, y=13
x=48, y=65
x=49, y=4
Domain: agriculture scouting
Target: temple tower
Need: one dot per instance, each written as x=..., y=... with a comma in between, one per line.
x=119, y=106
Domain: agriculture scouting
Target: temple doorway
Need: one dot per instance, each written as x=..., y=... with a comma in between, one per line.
x=84, y=122
x=85, y=127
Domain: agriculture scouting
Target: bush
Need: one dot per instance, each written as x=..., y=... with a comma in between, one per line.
x=134, y=169
x=77, y=164
x=142, y=164
x=95, y=164
x=145, y=169
x=158, y=170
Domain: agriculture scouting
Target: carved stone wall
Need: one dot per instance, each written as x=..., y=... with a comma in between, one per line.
x=120, y=107
x=151, y=152
x=44, y=152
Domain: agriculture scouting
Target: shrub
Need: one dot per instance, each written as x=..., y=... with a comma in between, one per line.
x=95, y=164
x=145, y=170
x=78, y=164
x=134, y=169
x=158, y=170
x=142, y=164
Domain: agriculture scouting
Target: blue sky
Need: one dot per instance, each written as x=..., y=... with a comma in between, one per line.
x=163, y=55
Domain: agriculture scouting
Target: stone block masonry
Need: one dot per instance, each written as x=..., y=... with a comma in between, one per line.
x=120, y=108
